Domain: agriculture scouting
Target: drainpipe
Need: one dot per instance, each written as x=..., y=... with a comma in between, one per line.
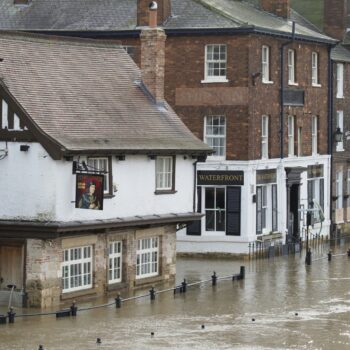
x=330, y=129
x=282, y=92
x=194, y=185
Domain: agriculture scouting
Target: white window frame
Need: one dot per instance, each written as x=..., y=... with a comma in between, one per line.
x=77, y=258
x=147, y=257
x=265, y=64
x=300, y=141
x=5, y=117
x=291, y=67
x=264, y=137
x=115, y=256
x=164, y=173
x=291, y=123
x=220, y=63
x=314, y=135
x=212, y=139
x=216, y=209
x=340, y=80
x=96, y=164
x=340, y=125
x=339, y=189
x=314, y=69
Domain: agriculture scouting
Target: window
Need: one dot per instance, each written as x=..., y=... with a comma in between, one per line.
x=300, y=142
x=215, y=63
x=215, y=211
x=316, y=192
x=77, y=269
x=266, y=208
x=340, y=125
x=102, y=165
x=265, y=63
x=290, y=135
x=339, y=189
x=115, y=262
x=314, y=69
x=165, y=173
x=291, y=67
x=265, y=137
x=340, y=80
x=314, y=133
x=215, y=135
x=4, y=120
x=147, y=257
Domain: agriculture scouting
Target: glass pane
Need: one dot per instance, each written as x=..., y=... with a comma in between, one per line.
x=209, y=220
x=220, y=198
x=209, y=198
x=220, y=220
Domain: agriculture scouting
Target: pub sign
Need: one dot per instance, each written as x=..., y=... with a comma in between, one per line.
x=89, y=191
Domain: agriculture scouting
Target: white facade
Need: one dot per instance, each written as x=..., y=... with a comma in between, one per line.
x=35, y=187
x=220, y=242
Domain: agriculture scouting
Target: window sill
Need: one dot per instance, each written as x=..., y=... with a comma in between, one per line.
x=139, y=281
x=292, y=83
x=211, y=158
x=107, y=196
x=78, y=293
x=316, y=85
x=164, y=192
x=267, y=82
x=340, y=150
x=209, y=81
x=340, y=96
x=116, y=286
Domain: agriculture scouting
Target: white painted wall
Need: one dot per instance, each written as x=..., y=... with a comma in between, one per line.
x=35, y=187
x=218, y=241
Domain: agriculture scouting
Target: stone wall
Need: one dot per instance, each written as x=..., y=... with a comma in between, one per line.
x=44, y=259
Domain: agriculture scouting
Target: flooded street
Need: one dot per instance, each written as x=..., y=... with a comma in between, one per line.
x=294, y=307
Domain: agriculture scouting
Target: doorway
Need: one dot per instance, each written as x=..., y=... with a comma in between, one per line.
x=294, y=212
x=11, y=266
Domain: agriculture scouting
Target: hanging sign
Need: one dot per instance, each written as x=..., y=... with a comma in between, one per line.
x=89, y=191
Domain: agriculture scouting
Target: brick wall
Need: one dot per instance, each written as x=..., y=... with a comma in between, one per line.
x=278, y=7
x=335, y=18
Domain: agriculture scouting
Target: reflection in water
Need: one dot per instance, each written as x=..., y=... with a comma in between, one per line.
x=294, y=307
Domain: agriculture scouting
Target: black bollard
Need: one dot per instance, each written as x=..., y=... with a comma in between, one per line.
x=308, y=257
x=330, y=255
x=98, y=341
x=152, y=293
x=118, y=301
x=11, y=315
x=214, y=279
x=73, y=309
x=41, y=347
x=184, y=286
x=242, y=273
x=349, y=252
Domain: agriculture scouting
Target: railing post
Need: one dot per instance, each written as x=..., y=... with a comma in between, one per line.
x=308, y=257
x=330, y=255
x=349, y=252
x=73, y=309
x=184, y=286
x=242, y=273
x=11, y=315
x=118, y=301
x=214, y=279
x=152, y=293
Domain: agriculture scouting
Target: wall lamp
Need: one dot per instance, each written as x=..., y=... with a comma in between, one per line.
x=338, y=135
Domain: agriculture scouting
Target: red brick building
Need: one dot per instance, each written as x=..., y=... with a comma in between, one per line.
x=223, y=64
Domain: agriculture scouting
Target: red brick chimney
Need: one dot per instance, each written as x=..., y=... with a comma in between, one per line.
x=335, y=18
x=153, y=55
x=279, y=8
x=164, y=11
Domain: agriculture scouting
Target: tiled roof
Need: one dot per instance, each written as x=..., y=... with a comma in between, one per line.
x=117, y=15
x=340, y=54
x=87, y=96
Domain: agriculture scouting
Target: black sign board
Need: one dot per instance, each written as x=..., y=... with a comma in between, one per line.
x=209, y=177
x=89, y=191
x=266, y=176
x=314, y=171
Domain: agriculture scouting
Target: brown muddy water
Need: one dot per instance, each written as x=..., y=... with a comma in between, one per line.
x=294, y=307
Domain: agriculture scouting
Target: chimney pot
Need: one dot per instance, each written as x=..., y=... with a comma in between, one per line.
x=153, y=6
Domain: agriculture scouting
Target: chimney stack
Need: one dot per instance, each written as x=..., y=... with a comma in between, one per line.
x=279, y=8
x=153, y=55
x=163, y=13
x=335, y=18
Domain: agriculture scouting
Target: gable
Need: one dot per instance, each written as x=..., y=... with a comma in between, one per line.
x=17, y=126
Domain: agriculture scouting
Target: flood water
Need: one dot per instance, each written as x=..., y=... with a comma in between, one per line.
x=294, y=307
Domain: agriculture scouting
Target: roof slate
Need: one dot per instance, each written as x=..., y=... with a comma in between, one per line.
x=118, y=15
x=87, y=96
x=340, y=54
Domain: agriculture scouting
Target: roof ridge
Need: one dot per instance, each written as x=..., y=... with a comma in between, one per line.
x=219, y=11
